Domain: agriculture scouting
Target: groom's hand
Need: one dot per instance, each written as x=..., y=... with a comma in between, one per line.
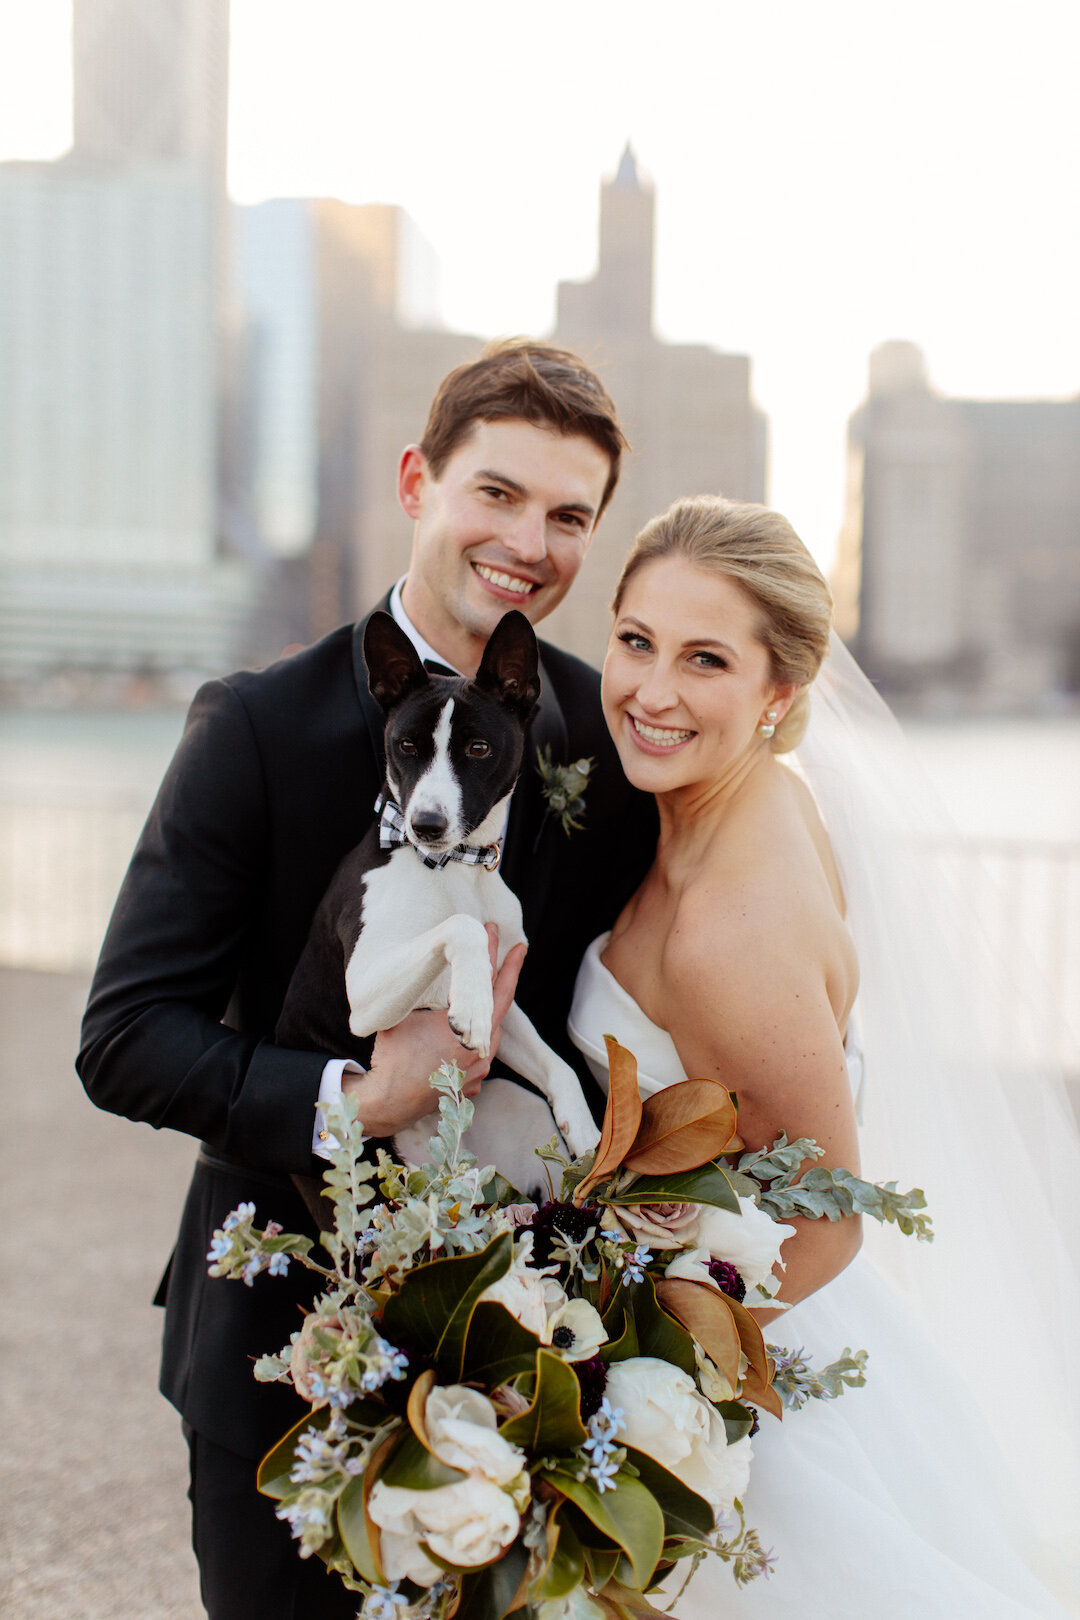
x=395, y=1091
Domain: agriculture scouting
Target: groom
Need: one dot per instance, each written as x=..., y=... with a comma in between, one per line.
x=273, y=782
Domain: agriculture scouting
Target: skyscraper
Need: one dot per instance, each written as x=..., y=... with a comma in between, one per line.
x=962, y=545
x=110, y=342
x=688, y=409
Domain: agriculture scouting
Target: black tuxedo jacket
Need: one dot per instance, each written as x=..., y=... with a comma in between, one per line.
x=274, y=781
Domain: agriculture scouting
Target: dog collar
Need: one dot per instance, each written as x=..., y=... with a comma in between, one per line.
x=392, y=834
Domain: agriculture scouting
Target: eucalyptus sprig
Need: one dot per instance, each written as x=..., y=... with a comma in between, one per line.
x=772, y=1178
x=797, y=1381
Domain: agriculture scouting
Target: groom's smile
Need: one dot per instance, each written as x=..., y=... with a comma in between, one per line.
x=506, y=523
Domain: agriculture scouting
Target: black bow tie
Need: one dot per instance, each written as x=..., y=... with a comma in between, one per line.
x=433, y=667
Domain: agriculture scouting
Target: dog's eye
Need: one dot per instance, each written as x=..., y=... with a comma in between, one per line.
x=406, y=746
x=478, y=749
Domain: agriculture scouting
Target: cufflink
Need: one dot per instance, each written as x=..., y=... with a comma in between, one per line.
x=324, y=1136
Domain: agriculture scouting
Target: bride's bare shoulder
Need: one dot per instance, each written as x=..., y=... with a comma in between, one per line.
x=766, y=907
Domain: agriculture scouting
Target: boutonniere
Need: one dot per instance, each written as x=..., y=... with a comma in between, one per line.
x=564, y=788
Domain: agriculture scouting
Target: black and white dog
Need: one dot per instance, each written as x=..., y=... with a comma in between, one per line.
x=407, y=907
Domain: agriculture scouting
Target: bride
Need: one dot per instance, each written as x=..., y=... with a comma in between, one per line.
x=740, y=958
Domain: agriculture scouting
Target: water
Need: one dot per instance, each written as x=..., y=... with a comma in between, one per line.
x=1008, y=779
x=75, y=788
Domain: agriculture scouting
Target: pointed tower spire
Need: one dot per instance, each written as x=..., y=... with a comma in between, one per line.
x=626, y=174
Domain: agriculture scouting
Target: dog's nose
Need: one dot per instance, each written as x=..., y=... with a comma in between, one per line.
x=429, y=825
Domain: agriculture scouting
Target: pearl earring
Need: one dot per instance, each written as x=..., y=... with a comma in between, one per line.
x=768, y=725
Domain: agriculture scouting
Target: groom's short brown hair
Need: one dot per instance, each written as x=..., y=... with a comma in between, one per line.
x=532, y=382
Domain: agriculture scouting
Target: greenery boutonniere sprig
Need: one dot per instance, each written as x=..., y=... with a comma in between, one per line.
x=564, y=788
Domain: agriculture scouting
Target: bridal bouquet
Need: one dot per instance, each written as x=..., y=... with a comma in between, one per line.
x=547, y=1409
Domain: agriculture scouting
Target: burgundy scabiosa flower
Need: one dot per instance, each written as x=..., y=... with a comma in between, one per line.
x=727, y=1279
x=557, y=1219
x=592, y=1376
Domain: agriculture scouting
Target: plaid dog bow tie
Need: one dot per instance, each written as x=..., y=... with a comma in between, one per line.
x=392, y=834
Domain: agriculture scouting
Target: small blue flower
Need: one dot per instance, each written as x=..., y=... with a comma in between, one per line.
x=634, y=1270
x=220, y=1245
x=383, y=1602
x=279, y=1265
x=242, y=1212
x=601, y=1448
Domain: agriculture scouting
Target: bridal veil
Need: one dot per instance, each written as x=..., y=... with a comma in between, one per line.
x=988, y=1134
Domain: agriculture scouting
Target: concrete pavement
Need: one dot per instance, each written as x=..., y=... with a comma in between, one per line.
x=92, y=1464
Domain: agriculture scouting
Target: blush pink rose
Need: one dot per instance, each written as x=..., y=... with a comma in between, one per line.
x=660, y=1226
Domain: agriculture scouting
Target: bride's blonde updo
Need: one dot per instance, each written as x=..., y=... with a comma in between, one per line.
x=760, y=550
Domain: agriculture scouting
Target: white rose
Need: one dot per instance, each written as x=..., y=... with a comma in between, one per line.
x=576, y=1330
x=529, y=1295
x=469, y=1523
x=669, y=1420
x=717, y=1471
x=692, y=1265
x=750, y=1241
x=403, y=1558
x=523, y=1296
x=462, y=1429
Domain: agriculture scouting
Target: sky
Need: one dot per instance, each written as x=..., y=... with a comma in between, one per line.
x=830, y=174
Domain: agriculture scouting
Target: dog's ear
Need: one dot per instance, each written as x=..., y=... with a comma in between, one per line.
x=509, y=668
x=394, y=666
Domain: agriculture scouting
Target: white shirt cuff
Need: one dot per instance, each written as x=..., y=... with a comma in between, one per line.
x=322, y=1142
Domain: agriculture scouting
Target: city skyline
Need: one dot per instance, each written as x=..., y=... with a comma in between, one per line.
x=828, y=180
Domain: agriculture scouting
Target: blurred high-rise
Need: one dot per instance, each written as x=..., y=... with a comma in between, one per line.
x=371, y=355
x=113, y=327
x=338, y=307
x=959, y=569
x=688, y=409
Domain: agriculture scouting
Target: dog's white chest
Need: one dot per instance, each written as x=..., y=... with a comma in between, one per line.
x=404, y=900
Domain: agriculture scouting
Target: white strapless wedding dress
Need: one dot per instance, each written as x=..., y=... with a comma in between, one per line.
x=886, y=1504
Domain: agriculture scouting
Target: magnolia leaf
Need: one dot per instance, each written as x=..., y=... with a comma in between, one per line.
x=753, y=1345
x=601, y=1562
x=272, y=1478
x=738, y=1420
x=489, y=1593
x=705, y=1312
x=497, y=1190
x=565, y=1567
x=625, y=1347
x=496, y=1346
x=416, y=1468
x=759, y=1393
x=686, y=1514
x=627, y=1604
x=628, y=1514
x=657, y=1331
x=708, y=1184
x=369, y=1479
x=621, y=1118
x=682, y=1127
x=434, y=1303
x=414, y=1411
x=553, y=1421
x=357, y=1531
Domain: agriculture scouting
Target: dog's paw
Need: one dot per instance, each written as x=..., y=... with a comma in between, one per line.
x=469, y=1014
x=580, y=1131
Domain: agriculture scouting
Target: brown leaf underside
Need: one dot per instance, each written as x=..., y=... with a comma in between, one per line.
x=682, y=1127
x=621, y=1118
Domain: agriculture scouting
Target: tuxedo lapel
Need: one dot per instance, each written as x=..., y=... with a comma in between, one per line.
x=528, y=864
